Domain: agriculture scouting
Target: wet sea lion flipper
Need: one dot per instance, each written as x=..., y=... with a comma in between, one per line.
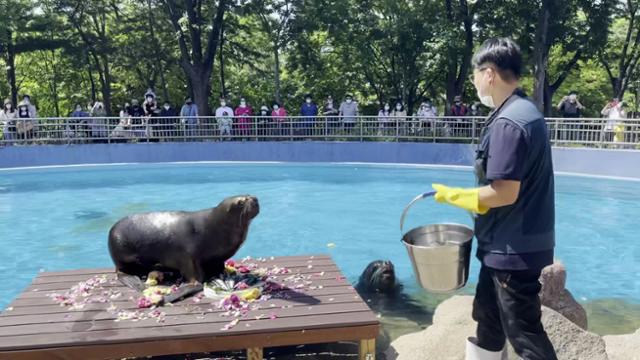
x=131, y=281
x=183, y=291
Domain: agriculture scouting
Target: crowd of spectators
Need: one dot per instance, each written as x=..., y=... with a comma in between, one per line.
x=154, y=122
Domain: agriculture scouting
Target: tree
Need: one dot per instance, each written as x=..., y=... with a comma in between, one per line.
x=459, y=37
x=93, y=22
x=575, y=26
x=196, y=57
x=620, y=58
x=23, y=32
x=275, y=17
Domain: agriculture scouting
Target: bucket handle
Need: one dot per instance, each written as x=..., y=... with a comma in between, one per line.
x=417, y=198
x=406, y=209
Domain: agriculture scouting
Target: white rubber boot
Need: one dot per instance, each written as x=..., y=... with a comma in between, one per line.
x=475, y=352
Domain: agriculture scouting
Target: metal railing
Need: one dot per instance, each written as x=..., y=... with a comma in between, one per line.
x=562, y=132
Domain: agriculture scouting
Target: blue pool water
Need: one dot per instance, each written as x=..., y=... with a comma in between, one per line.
x=54, y=219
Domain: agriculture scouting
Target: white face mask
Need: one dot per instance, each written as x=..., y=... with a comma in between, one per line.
x=398, y=107
x=167, y=107
x=348, y=101
x=78, y=109
x=243, y=103
x=486, y=100
x=9, y=106
x=308, y=101
x=275, y=107
x=386, y=107
x=222, y=103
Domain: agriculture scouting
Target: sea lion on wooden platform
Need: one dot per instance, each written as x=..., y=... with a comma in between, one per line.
x=195, y=244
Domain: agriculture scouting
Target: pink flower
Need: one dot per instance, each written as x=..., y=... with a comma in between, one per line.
x=230, y=262
x=243, y=269
x=144, y=302
x=242, y=286
x=273, y=316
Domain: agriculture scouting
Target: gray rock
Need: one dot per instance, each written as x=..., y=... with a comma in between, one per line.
x=452, y=324
x=623, y=347
x=554, y=295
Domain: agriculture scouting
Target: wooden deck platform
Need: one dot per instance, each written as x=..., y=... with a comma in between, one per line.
x=323, y=308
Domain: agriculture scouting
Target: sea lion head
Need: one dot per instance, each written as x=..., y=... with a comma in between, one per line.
x=379, y=276
x=242, y=207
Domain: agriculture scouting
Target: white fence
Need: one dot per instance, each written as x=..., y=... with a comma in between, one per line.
x=562, y=131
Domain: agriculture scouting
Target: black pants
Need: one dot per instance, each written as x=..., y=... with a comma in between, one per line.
x=507, y=306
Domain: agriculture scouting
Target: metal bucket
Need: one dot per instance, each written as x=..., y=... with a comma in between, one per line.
x=440, y=253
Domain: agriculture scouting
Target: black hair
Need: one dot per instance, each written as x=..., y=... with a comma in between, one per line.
x=307, y=96
x=275, y=103
x=503, y=52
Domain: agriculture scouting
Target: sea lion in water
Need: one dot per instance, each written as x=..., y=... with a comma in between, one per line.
x=378, y=277
x=195, y=244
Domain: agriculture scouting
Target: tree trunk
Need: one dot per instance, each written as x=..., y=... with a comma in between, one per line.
x=106, y=86
x=54, y=83
x=11, y=67
x=152, y=31
x=223, y=87
x=201, y=84
x=276, y=73
x=541, y=56
x=91, y=81
x=548, y=98
x=197, y=68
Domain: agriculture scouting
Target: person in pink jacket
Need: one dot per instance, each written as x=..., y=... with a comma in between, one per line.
x=279, y=115
x=243, y=115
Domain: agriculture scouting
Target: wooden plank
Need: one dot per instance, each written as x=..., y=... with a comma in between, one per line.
x=74, y=279
x=48, y=306
x=279, y=260
x=155, y=347
x=90, y=324
x=61, y=289
x=132, y=336
x=192, y=308
x=38, y=328
x=41, y=297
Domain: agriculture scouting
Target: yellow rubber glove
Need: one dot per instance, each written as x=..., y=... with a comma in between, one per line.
x=467, y=199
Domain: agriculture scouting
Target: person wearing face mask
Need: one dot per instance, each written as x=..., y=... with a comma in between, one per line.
x=7, y=119
x=263, y=122
x=569, y=107
x=168, y=121
x=97, y=123
x=189, y=118
x=309, y=111
x=224, y=118
x=27, y=125
x=279, y=115
x=399, y=119
x=243, y=115
x=348, y=112
x=122, y=131
x=75, y=125
x=385, y=124
x=514, y=207
x=136, y=113
x=427, y=116
x=460, y=126
x=330, y=112
x=151, y=111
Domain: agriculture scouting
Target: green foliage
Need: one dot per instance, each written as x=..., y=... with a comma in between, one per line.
x=77, y=51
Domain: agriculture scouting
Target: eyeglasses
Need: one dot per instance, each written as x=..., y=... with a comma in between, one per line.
x=480, y=69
